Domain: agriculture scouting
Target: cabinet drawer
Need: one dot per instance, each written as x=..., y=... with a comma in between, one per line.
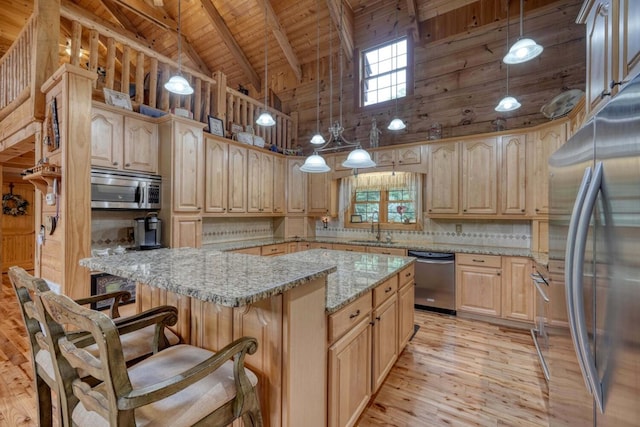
x=278, y=249
x=349, y=248
x=479, y=260
x=406, y=276
x=344, y=319
x=385, y=290
x=387, y=251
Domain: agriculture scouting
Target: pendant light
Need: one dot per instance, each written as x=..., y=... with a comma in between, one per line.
x=178, y=84
x=524, y=49
x=265, y=119
x=396, y=123
x=508, y=103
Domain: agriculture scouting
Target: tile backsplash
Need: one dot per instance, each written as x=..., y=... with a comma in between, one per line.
x=508, y=234
x=112, y=228
x=219, y=230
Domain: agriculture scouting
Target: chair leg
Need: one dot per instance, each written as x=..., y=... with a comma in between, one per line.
x=252, y=416
x=45, y=408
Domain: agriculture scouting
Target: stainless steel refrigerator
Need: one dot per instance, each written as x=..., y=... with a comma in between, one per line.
x=594, y=189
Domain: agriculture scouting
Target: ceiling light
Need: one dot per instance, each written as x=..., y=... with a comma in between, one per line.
x=358, y=159
x=524, y=49
x=265, y=118
x=317, y=139
x=508, y=103
x=315, y=164
x=396, y=124
x=178, y=84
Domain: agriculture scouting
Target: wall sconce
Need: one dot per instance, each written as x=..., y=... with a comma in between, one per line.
x=325, y=221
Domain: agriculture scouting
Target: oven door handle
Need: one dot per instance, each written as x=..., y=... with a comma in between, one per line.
x=543, y=363
x=540, y=290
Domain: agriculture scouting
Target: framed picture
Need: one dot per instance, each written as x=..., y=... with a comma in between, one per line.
x=103, y=282
x=249, y=129
x=245, y=138
x=216, y=126
x=236, y=128
x=117, y=99
x=356, y=218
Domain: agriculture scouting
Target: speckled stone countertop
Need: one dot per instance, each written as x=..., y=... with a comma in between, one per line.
x=209, y=275
x=424, y=246
x=357, y=272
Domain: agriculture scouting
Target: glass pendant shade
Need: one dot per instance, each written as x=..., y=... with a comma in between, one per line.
x=265, y=119
x=522, y=51
x=315, y=164
x=396, y=124
x=358, y=159
x=317, y=139
x=178, y=85
x=508, y=103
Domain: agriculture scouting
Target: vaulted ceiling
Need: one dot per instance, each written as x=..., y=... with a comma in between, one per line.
x=458, y=42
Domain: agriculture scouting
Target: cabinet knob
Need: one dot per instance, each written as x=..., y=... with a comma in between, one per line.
x=230, y=209
x=386, y=291
x=498, y=273
x=127, y=164
x=522, y=210
x=224, y=209
x=354, y=314
x=378, y=318
x=115, y=163
x=464, y=210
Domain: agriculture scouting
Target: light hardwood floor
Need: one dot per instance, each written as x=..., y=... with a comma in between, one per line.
x=454, y=372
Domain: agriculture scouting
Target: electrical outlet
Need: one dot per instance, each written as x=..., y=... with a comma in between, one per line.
x=458, y=228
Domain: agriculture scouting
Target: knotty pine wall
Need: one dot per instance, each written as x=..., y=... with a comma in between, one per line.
x=459, y=74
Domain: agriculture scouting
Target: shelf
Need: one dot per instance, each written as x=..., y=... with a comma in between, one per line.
x=42, y=177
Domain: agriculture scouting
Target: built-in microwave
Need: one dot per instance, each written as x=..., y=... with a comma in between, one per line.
x=112, y=189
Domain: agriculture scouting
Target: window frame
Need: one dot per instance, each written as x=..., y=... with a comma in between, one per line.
x=382, y=214
x=360, y=72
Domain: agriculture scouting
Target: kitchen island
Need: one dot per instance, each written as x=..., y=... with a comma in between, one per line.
x=289, y=303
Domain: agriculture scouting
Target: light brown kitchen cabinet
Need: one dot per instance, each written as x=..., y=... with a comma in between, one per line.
x=406, y=302
x=140, y=145
x=279, y=179
x=186, y=231
x=272, y=250
x=256, y=250
x=513, y=175
x=556, y=312
x=398, y=156
x=545, y=142
x=386, y=251
x=478, y=284
x=479, y=177
x=442, y=178
x=385, y=337
x=517, y=290
x=629, y=36
x=216, y=176
x=319, y=245
x=237, y=196
x=296, y=186
x=188, y=164
x=322, y=194
x=107, y=130
x=349, y=248
x=259, y=182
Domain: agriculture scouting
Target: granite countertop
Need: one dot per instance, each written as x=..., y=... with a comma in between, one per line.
x=424, y=246
x=356, y=274
x=209, y=275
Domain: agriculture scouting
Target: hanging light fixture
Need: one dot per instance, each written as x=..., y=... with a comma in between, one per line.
x=396, y=123
x=524, y=49
x=265, y=118
x=358, y=158
x=178, y=84
x=508, y=103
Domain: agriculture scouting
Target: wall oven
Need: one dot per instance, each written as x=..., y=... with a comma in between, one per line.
x=539, y=334
x=112, y=189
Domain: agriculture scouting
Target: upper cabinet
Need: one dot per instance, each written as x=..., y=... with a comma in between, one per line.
x=296, y=186
x=260, y=182
x=442, y=178
x=188, y=166
x=237, y=168
x=399, y=156
x=480, y=176
x=123, y=141
x=513, y=175
x=216, y=173
x=279, y=179
x=613, y=48
x=545, y=142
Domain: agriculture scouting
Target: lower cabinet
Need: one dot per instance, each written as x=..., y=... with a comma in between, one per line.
x=385, y=339
x=517, y=291
x=406, y=301
x=186, y=231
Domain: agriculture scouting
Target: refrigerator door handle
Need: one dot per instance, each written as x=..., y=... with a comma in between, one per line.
x=568, y=268
x=578, y=286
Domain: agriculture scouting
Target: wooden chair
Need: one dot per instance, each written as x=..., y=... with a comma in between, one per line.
x=182, y=385
x=144, y=334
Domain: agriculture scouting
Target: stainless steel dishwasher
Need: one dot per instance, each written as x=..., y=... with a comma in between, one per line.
x=435, y=279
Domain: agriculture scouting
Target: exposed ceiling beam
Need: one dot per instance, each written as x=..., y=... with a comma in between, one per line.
x=122, y=19
x=414, y=27
x=283, y=40
x=150, y=13
x=338, y=9
x=231, y=43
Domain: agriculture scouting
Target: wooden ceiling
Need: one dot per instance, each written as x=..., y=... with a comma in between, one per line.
x=458, y=42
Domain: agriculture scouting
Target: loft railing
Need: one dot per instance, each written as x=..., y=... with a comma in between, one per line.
x=15, y=70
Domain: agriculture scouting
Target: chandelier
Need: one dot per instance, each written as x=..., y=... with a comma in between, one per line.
x=358, y=158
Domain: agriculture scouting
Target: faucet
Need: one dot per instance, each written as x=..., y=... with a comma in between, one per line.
x=372, y=227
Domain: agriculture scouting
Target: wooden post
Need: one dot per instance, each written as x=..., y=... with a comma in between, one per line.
x=153, y=83
x=140, y=78
x=220, y=96
x=44, y=50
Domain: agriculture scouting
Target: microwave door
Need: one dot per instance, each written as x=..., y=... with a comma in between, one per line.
x=114, y=196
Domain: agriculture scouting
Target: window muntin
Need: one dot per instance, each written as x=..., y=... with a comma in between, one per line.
x=395, y=205
x=384, y=75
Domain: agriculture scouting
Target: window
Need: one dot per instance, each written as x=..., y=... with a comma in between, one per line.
x=392, y=200
x=384, y=74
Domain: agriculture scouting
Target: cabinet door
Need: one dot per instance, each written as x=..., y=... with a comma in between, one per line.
x=106, y=139
x=478, y=290
x=279, y=169
x=254, y=181
x=409, y=155
x=266, y=182
x=237, y=179
x=479, y=177
x=186, y=231
x=140, y=145
x=318, y=199
x=350, y=375
x=406, y=298
x=442, y=179
x=296, y=187
x=545, y=143
x=513, y=175
x=385, y=157
x=517, y=290
x=601, y=66
x=188, y=161
x=216, y=176
x=629, y=39
x=385, y=339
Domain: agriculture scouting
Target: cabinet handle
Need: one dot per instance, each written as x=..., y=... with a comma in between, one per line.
x=537, y=210
x=522, y=210
x=230, y=209
x=224, y=209
x=604, y=94
x=408, y=274
x=615, y=83
x=115, y=163
x=386, y=291
x=127, y=165
x=378, y=318
x=498, y=273
x=477, y=260
x=354, y=314
x=464, y=210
